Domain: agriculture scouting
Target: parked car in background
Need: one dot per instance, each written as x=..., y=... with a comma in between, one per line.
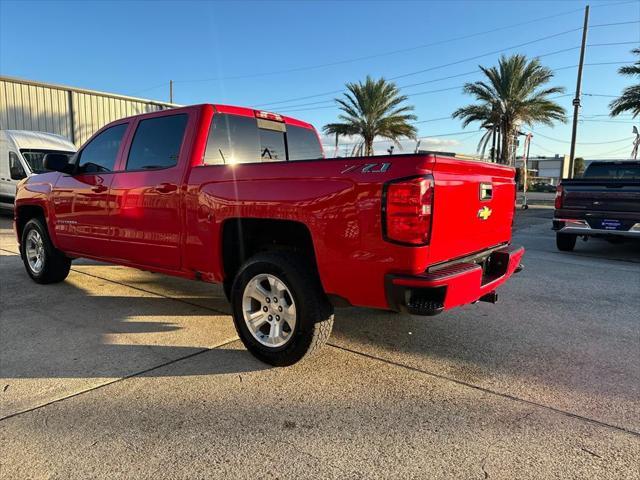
x=21, y=154
x=543, y=187
x=605, y=202
x=246, y=198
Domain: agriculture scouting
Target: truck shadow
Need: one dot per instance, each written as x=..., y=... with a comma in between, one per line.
x=94, y=328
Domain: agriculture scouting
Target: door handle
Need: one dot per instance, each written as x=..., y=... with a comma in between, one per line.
x=99, y=188
x=165, y=188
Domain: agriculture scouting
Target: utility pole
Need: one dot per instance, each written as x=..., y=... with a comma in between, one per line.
x=576, y=100
x=170, y=91
x=493, y=144
x=525, y=169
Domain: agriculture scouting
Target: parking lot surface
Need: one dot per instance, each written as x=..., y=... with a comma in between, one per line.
x=121, y=373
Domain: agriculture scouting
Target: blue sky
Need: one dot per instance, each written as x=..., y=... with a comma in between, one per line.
x=243, y=53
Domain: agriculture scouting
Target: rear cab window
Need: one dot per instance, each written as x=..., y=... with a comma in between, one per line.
x=156, y=143
x=242, y=139
x=613, y=171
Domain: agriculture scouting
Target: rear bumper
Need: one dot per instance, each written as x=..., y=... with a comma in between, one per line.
x=458, y=284
x=575, y=226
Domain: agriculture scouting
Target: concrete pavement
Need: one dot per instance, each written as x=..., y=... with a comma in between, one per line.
x=120, y=373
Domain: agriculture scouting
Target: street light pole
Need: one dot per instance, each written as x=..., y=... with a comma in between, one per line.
x=576, y=100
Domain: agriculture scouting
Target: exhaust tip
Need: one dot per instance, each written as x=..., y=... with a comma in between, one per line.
x=491, y=297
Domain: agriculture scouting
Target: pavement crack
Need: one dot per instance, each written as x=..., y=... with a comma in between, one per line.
x=512, y=423
x=120, y=379
x=590, y=452
x=489, y=391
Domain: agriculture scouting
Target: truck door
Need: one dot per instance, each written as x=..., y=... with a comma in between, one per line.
x=81, y=201
x=146, y=214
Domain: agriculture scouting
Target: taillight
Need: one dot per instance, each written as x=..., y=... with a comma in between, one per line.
x=559, y=196
x=408, y=206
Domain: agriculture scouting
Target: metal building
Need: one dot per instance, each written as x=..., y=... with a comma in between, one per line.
x=74, y=113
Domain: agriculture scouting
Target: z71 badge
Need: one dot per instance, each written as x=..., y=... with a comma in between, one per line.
x=368, y=168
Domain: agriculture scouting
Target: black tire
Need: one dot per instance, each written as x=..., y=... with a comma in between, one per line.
x=566, y=242
x=314, y=313
x=56, y=264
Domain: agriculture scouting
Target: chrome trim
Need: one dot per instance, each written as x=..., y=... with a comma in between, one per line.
x=581, y=227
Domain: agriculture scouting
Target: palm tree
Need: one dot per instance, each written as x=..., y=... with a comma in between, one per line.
x=515, y=94
x=373, y=109
x=629, y=101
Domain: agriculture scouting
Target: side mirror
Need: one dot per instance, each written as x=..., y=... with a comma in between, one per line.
x=57, y=162
x=17, y=173
x=16, y=170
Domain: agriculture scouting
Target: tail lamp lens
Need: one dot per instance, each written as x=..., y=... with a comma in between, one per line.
x=408, y=208
x=559, y=196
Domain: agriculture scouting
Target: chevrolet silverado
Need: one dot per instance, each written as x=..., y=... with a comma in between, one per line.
x=246, y=198
x=604, y=203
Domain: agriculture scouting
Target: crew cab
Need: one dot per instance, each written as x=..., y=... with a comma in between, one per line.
x=604, y=203
x=246, y=198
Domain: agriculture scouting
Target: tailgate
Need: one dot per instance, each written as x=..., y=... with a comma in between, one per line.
x=473, y=207
x=603, y=196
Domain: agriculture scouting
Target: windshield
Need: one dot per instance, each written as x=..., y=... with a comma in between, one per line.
x=35, y=158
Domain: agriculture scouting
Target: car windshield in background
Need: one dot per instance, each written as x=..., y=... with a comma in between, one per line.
x=35, y=158
x=613, y=171
x=238, y=139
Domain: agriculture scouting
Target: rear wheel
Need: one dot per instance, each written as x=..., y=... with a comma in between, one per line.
x=44, y=263
x=565, y=241
x=279, y=308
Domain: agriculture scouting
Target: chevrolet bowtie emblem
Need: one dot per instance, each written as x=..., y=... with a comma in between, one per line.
x=484, y=213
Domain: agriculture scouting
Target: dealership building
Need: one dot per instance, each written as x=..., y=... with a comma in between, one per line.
x=74, y=113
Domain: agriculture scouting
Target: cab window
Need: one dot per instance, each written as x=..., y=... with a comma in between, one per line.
x=232, y=139
x=156, y=143
x=238, y=139
x=100, y=154
x=272, y=142
x=303, y=143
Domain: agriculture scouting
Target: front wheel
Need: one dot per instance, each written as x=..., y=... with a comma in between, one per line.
x=566, y=242
x=44, y=262
x=279, y=308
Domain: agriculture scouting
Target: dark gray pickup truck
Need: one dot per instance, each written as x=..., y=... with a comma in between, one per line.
x=605, y=202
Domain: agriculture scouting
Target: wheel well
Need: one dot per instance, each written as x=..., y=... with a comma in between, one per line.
x=26, y=213
x=243, y=238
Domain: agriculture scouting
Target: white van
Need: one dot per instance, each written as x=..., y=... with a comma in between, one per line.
x=21, y=155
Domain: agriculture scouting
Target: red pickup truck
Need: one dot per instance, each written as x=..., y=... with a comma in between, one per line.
x=246, y=198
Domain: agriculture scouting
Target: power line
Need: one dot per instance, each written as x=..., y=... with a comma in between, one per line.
x=600, y=95
x=475, y=57
x=629, y=122
x=466, y=73
x=384, y=54
x=465, y=133
x=626, y=139
x=614, y=24
x=611, y=152
x=428, y=69
x=624, y=62
x=606, y=115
